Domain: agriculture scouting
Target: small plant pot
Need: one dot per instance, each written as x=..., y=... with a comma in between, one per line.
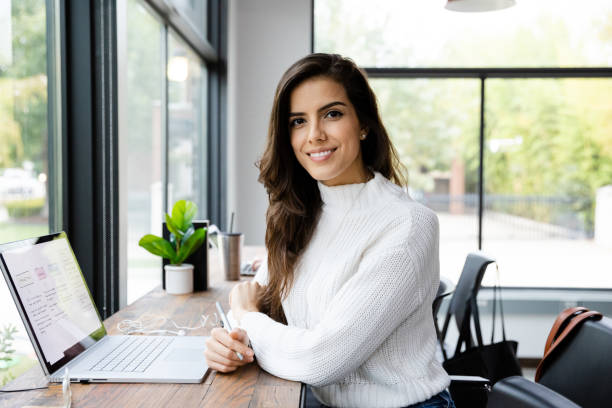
x=179, y=279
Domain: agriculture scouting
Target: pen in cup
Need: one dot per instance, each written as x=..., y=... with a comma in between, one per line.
x=226, y=324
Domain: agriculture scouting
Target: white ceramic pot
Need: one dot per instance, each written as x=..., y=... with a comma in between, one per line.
x=179, y=279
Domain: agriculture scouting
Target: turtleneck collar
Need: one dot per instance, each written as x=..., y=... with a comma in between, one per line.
x=356, y=196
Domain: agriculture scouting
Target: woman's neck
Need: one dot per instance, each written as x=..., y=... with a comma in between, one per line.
x=364, y=175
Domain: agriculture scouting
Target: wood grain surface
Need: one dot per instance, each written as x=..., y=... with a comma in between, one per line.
x=249, y=386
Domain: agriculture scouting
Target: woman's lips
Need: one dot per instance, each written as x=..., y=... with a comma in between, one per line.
x=322, y=155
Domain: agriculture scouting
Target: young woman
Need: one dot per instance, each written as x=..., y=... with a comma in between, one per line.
x=343, y=302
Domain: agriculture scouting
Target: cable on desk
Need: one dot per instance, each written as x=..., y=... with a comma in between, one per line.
x=26, y=389
x=145, y=325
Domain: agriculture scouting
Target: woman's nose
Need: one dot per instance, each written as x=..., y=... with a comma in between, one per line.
x=316, y=133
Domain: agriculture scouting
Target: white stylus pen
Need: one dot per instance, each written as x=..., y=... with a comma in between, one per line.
x=226, y=324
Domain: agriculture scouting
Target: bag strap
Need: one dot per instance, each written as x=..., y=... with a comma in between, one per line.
x=465, y=332
x=561, y=321
x=494, y=312
x=497, y=299
x=575, y=319
x=476, y=317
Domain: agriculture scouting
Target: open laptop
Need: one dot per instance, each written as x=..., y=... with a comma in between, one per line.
x=65, y=327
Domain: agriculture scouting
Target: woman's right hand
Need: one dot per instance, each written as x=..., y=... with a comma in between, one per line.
x=221, y=348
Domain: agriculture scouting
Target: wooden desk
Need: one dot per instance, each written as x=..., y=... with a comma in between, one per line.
x=249, y=386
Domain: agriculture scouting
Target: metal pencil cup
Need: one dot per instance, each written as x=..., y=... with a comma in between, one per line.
x=230, y=251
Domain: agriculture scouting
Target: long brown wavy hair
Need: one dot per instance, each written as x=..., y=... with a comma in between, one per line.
x=294, y=198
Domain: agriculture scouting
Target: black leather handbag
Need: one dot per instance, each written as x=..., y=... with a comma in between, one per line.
x=493, y=361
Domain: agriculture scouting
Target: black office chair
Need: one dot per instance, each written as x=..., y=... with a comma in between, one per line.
x=466, y=390
x=446, y=288
x=577, y=375
x=468, y=286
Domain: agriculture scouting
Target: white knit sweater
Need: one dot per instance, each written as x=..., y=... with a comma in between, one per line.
x=360, y=327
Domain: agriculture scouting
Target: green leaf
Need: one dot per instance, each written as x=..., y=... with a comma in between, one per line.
x=158, y=246
x=190, y=211
x=173, y=241
x=172, y=227
x=188, y=233
x=182, y=214
x=178, y=214
x=192, y=244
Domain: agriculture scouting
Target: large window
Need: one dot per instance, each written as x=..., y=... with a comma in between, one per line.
x=548, y=150
x=24, y=149
x=24, y=165
x=186, y=126
x=163, y=132
x=541, y=72
x=93, y=133
x=143, y=147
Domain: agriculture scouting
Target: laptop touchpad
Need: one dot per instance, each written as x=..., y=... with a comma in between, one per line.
x=184, y=354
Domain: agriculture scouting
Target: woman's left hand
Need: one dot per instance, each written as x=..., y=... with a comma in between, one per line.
x=243, y=298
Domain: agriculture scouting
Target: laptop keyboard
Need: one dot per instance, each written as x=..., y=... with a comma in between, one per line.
x=134, y=354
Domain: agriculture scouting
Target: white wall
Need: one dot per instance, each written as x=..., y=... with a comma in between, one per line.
x=264, y=38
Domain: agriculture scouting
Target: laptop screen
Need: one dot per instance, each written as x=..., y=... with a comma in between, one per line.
x=52, y=297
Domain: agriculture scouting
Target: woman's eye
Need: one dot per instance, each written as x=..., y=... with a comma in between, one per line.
x=296, y=122
x=333, y=114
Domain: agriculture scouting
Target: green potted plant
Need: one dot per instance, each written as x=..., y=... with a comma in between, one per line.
x=184, y=240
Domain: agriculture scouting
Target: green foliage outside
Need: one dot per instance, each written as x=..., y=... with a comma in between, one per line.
x=11, y=364
x=14, y=231
x=23, y=89
x=22, y=363
x=25, y=208
x=6, y=344
x=184, y=238
x=566, y=143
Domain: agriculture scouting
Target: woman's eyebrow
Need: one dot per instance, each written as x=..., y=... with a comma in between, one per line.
x=322, y=108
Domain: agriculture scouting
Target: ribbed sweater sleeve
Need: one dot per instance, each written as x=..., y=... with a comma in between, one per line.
x=387, y=288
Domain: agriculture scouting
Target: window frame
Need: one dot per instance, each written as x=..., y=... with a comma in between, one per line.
x=85, y=202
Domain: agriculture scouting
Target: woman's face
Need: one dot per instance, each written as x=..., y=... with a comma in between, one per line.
x=325, y=132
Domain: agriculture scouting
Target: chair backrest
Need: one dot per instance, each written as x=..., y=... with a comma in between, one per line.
x=445, y=289
x=580, y=369
x=468, y=286
x=517, y=391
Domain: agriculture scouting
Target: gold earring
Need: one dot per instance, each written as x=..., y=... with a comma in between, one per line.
x=363, y=136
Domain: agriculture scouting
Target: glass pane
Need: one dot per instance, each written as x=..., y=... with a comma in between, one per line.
x=143, y=96
x=24, y=208
x=194, y=11
x=434, y=125
x=187, y=127
x=548, y=178
x=400, y=33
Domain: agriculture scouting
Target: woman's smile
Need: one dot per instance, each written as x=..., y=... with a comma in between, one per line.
x=321, y=155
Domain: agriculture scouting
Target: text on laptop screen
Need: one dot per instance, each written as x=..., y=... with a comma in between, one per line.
x=54, y=295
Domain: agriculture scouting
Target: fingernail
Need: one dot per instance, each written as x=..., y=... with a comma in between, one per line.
x=250, y=353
